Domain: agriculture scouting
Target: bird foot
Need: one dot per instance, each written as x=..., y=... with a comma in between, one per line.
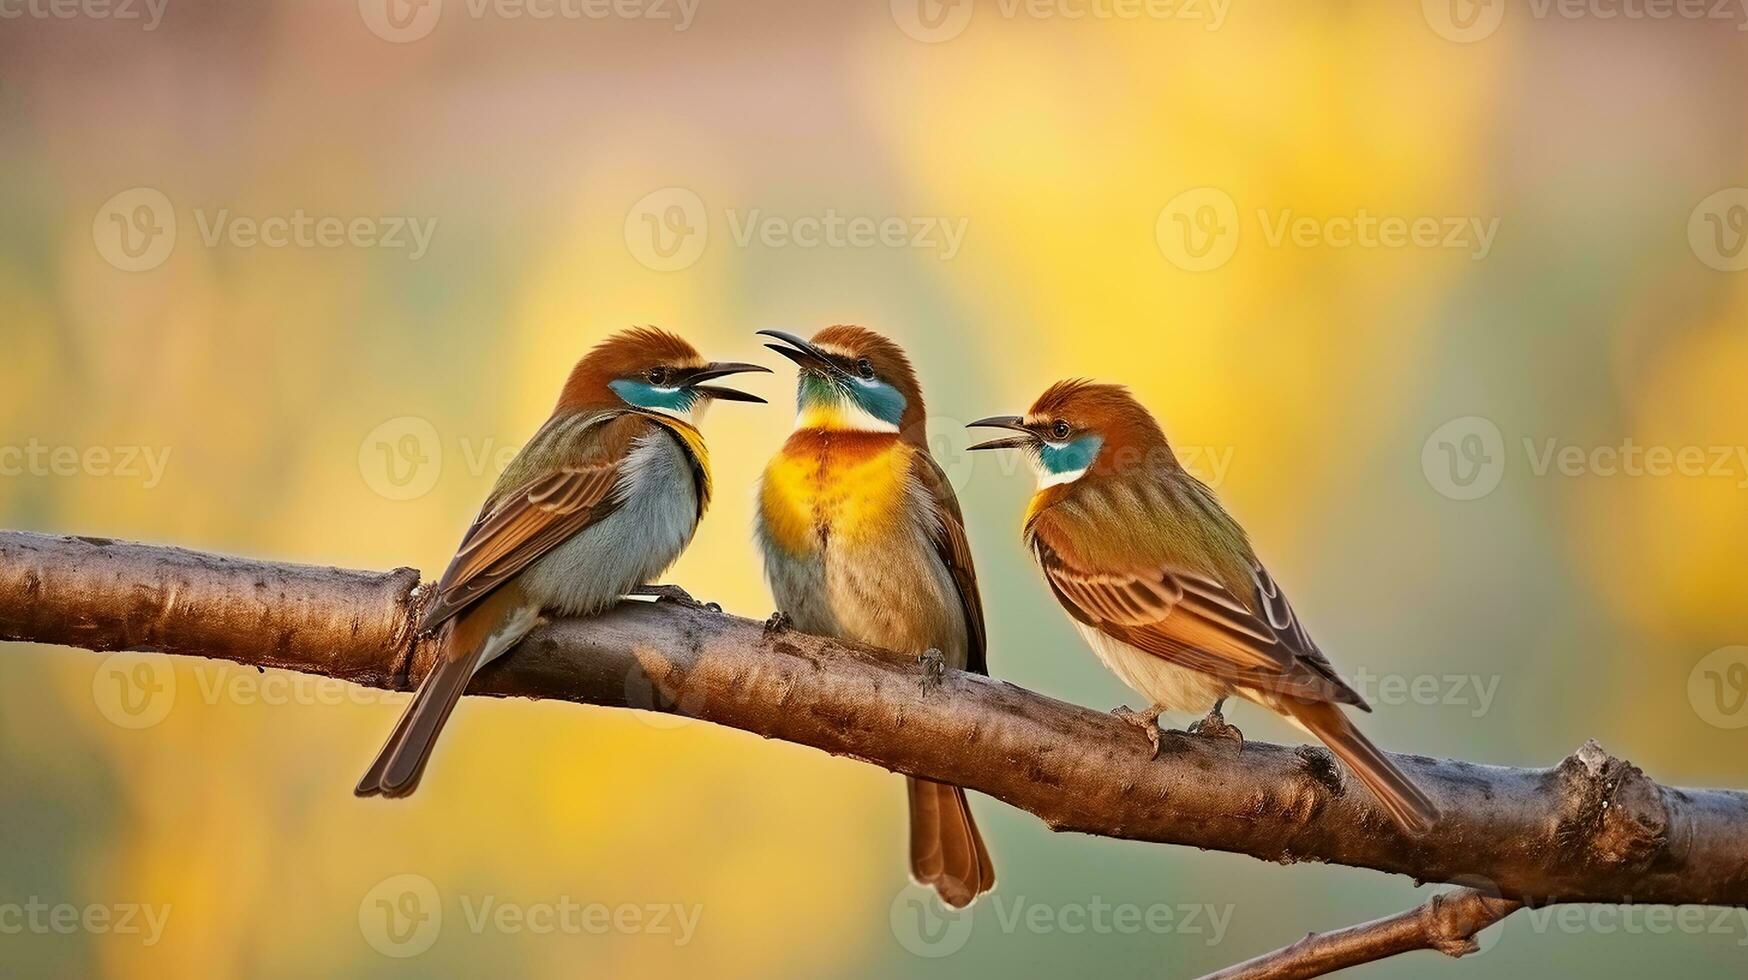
x=675, y=594
x=1147, y=721
x=934, y=668
x=777, y=623
x=1216, y=726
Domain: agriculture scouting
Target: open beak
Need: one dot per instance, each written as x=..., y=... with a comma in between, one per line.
x=722, y=369
x=1013, y=422
x=804, y=354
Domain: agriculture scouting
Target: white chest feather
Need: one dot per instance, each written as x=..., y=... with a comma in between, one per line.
x=632, y=546
x=1162, y=682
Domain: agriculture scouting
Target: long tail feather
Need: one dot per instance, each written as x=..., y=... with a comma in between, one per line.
x=473, y=640
x=1411, y=808
x=946, y=850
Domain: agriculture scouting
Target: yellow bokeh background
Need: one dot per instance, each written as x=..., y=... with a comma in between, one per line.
x=1316, y=376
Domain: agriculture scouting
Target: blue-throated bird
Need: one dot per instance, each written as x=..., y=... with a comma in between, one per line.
x=1165, y=588
x=599, y=502
x=863, y=540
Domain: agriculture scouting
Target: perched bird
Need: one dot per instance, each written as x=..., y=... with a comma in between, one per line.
x=600, y=502
x=863, y=540
x=1163, y=584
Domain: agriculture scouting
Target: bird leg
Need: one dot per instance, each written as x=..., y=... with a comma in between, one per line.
x=1216, y=726
x=934, y=668
x=672, y=593
x=1147, y=721
x=777, y=623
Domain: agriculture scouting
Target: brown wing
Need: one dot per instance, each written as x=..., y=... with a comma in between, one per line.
x=955, y=551
x=1193, y=620
x=537, y=513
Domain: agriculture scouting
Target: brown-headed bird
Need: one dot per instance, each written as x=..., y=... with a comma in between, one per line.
x=863, y=540
x=1163, y=584
x=600, y=502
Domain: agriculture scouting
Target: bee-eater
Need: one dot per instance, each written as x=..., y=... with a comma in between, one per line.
x=1164, y=586
x=600, y=502
x=863, y=540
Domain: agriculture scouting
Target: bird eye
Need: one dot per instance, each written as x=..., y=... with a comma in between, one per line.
x=658, y=375
x=1059, y=429
x=865, y=368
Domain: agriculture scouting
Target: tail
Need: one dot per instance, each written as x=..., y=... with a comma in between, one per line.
x=473, y=640
x=946, y=851
x=1411, y=808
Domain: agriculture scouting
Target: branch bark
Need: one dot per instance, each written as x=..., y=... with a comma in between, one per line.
x=1447, y=922
x=1591, y=829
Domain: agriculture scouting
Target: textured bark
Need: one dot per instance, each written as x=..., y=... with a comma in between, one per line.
x=1447, y=923
x=1591, y=829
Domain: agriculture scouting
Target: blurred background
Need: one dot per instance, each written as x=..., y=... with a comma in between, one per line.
x=1443, y=298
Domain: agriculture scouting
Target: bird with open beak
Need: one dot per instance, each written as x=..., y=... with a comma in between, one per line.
x=1163, y=584
x=863, y=540
x=597, y=505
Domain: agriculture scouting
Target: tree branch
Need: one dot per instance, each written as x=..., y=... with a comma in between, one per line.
x=1448, y=922
x=1591, y=829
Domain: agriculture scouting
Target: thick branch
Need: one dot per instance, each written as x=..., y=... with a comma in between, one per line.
x=1592, y=828
x=1447, y=922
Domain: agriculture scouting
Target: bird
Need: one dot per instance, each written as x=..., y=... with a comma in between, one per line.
x=603, y=498
x=1163, y=583
x=863, y=540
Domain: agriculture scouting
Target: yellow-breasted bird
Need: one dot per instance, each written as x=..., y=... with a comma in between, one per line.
x=598, y=503
x=863, y=540
x=1165, y=588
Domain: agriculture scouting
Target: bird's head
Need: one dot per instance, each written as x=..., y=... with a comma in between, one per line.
x=852, y=379
x=652, y=370
x=1078, y=427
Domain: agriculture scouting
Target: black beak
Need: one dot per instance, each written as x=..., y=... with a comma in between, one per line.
x=722, y=369
x=1004, y=422
x=804, y=354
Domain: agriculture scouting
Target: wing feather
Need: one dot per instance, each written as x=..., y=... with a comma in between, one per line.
x=536, y=513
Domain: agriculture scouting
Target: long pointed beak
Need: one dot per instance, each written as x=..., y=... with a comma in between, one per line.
x=722, y=369
x=1014, y=422
x=800, y=351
